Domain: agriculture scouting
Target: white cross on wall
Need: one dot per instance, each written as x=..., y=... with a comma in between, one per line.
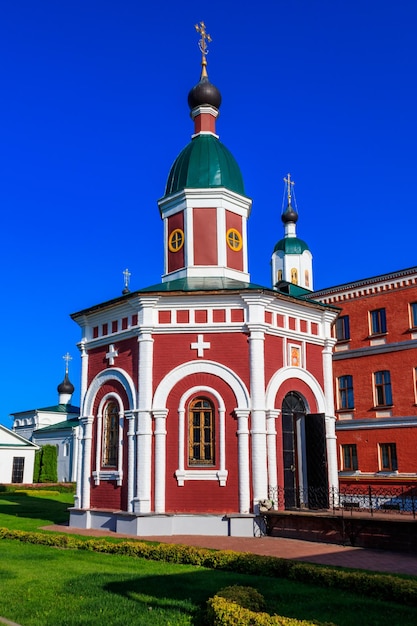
x=200, y=345
x=112, y=354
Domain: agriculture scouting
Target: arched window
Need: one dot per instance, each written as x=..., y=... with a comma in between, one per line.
x=294, y=276
x=111, y=435
x=201, y=432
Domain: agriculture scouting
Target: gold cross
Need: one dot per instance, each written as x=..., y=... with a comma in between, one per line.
x=202, y=44
x=289, y=183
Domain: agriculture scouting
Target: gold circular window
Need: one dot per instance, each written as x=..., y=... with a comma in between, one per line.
x=234, y=239
x=176, y=240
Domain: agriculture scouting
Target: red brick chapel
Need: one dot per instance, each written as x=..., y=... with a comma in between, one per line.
x=206, y=397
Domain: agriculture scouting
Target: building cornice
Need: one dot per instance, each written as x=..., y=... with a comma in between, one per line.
x=411, y=344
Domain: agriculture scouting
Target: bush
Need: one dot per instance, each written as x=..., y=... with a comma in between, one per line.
x=48, y=472
x=47, y=489
x=37, y=465
x=220, y=612
x=246, y=597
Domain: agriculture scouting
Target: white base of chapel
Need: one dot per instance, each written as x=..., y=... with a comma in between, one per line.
x=151, y=524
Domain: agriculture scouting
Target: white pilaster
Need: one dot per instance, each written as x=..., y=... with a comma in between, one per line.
x=144, y=424
x=256, y=318
x=243, y=459
x=330, y=417
x=131, y=460
x=160, y=459
x=271, y=445
x=87, y=423
x=84, y=373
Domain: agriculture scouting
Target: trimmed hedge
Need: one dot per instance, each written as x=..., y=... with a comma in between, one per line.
x=379, y=586
x=37, y=487
x=220, y=612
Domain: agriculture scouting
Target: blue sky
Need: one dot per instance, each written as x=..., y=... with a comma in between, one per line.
x=93, y=111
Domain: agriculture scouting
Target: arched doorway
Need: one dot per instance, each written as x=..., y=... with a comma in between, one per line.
x=304, y=455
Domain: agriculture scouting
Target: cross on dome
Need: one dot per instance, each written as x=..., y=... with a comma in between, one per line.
x=67, y=358
x=202, y=44
x=290, y=184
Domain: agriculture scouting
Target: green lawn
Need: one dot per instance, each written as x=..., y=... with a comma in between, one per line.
x=21, y=511
x=42, y=586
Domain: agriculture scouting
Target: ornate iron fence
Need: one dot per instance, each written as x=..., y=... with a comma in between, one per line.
x=347, y=499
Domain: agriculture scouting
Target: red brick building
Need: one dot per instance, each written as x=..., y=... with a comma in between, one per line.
x=205, y=394
x=375, y=374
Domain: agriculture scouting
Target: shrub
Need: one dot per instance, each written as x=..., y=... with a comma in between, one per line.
x=37, y=465
x=48, y=472
x=246, y=597
x=220, y=612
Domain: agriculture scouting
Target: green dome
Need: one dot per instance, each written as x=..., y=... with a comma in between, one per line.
x=204, y=162
x=291, y=245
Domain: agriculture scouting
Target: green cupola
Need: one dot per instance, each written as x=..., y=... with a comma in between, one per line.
x=204, y=207
x=291, y=259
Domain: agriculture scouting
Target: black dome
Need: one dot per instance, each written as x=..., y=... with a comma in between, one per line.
x=66, y=386
x=289, y=215
x=204, y=93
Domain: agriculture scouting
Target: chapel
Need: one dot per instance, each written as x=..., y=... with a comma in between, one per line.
x=206, y=397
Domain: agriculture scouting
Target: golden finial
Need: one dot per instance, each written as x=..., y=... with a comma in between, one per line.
x=202, y=44
x=290, y=184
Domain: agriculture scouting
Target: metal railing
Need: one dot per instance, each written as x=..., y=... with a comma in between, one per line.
x=347, y=499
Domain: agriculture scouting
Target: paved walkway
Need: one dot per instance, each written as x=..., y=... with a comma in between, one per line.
x=312, y=552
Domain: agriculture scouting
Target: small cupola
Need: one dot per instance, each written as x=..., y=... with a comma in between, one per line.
x=66, y=388
x=291, y=259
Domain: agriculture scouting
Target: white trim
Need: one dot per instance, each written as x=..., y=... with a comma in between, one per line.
x=201, y=367
x=211, y=473
x=285, y=374
x=105, y=376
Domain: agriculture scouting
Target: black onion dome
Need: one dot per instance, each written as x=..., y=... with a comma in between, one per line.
x=66, y=386
x=204, y=92
x=289, y=215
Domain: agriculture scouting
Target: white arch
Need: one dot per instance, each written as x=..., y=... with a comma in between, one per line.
x=201, y=367
x=103, y=377
x=294, y=372
x=198, y=389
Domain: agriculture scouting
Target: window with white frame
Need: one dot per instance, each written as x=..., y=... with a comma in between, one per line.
x=110, y=434
x=378, y=322
x=388, y=457
x=413, y=314
x=349, y=457
x=342, y=328
x=382, y=388
x=345, y=389
x=201, y=432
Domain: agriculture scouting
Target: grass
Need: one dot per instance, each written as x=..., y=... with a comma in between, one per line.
x=21, y=511
x=42, y=586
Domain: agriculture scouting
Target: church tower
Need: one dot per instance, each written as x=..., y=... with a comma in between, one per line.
x=204, y=207
x=291, y=260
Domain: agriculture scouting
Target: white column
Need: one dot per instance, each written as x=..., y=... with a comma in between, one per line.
x=243, y=459
x=87, y=423
x=144, y=424
x=258, y=425
x=329, y=399
x=75, y=454
x=131, y=460
x=271, y=446
x=160, y=459
x=84, y=373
